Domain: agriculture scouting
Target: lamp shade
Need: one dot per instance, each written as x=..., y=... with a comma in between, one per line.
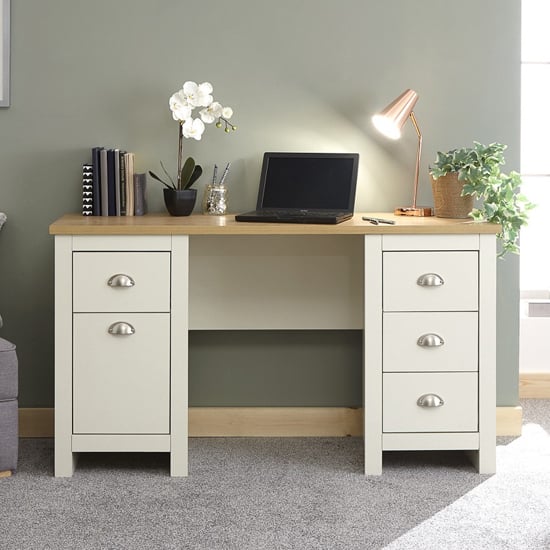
x=390, y=121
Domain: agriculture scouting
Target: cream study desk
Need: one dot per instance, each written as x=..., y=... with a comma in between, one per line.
x=128, y=290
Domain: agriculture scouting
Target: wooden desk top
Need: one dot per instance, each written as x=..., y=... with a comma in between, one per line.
x=198, y=224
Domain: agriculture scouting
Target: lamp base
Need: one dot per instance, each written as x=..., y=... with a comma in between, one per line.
x=419, y=211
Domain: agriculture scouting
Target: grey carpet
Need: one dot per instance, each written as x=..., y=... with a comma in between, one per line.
x=510, y=510
x=297, y=493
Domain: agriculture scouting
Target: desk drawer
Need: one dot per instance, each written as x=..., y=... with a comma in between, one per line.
x=450, y=281
x=430, y=341
x=121, y=382
x=147, y=274
x=402, y=413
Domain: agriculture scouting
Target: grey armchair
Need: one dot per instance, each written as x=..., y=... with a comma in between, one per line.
x=9, y=444
x=8, y=408
x=2, y=220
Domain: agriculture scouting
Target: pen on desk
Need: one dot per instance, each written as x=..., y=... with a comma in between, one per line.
x=376, y=221
x=224, y=175
x=215, y=174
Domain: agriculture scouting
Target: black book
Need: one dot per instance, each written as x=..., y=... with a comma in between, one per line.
x=111, y=183
x=103, y=179
x=122, y=171
x=96, y=182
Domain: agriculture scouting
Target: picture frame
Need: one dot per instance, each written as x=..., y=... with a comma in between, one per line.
x=5, y=53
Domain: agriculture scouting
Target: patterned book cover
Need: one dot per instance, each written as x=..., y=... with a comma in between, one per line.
x=87, y=190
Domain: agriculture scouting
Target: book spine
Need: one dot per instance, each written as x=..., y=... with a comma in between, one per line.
x=116, y=170
x=122, y=170
x=111, y=192
x=129, y=184
x=104, y=182
x=87, y=190
x=96, y=185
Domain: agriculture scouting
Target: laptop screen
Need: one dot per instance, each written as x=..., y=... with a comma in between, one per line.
x=323, y=181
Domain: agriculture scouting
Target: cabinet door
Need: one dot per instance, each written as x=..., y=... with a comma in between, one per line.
x=121, y=382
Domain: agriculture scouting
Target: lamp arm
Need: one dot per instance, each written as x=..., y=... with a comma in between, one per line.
x=418, y=153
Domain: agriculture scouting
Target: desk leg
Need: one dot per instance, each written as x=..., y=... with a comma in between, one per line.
x=372, y=355
x=64, y=461
x=486, y=457
x=179, y=356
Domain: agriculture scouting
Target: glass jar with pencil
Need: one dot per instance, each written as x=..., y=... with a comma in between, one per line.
x=215, y=194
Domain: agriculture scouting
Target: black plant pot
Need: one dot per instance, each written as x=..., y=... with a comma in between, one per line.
x=180, y=202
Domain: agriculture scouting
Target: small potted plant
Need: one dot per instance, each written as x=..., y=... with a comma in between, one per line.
x=461, y=175
x=179, y=198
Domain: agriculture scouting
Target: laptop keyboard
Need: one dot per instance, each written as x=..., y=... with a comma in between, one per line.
x=298, y=214
x=295, y=216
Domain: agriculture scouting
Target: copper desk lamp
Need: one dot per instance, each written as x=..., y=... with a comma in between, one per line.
x=389, y=123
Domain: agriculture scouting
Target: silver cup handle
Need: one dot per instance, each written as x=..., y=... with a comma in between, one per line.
x=120, y=280
x=121, y=328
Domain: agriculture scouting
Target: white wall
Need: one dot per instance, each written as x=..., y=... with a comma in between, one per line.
x=535, y=166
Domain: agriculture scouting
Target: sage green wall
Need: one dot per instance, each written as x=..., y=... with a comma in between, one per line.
x=301, y=75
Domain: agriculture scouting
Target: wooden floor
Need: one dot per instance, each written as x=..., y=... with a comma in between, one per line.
x=7, y=473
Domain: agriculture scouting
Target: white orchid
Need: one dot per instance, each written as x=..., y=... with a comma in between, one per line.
x=182, y=104
x=211, y=113
x=198, y=95
x=181, y=110
x=192, y=128
x=192, y=95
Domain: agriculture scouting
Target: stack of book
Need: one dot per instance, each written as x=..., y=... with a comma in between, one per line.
x=110, y=187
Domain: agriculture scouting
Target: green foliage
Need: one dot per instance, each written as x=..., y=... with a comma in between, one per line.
x=501, y=202
x=190, y=173
x=473, y=164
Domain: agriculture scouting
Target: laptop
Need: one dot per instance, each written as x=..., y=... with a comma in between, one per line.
x=305, y=188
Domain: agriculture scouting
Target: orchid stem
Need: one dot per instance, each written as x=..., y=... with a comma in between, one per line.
x=180, y=153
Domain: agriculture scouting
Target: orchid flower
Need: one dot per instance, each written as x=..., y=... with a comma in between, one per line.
x=198, y=95
x=192, y=128
x=181, y=110
x=211, y=113
x=182, y=104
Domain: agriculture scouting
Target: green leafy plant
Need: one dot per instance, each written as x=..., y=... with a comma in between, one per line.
x=189, y=174
x=500, y=200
